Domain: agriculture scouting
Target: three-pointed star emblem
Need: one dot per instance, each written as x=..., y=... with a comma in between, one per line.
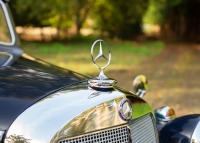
x=125, y=109
x=100, y=54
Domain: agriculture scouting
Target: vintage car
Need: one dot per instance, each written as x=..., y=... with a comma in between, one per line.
x=42, y=103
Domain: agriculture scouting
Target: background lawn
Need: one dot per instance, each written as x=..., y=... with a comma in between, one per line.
x=76, y=56
x=172, y=69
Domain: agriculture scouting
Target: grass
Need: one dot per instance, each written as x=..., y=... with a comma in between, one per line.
x=76, y=55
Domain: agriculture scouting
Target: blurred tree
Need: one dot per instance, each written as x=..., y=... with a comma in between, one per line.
x=117, y=18
x=61, y=14
x=182, y=20
x=67, y=13
x=29, y=13
x=179, y=19
x=155, y=13
x=60, y=17
x=81, y=10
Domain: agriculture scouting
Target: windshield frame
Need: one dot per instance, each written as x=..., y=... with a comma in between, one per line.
x=9, y=24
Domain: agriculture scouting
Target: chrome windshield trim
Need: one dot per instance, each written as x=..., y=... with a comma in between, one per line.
x=10, y=27
x=8, y=60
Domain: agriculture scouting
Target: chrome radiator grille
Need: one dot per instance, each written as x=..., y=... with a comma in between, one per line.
x=142, y=130
x=116, y=135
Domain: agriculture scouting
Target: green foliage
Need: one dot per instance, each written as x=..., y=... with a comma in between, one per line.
x=81, y=9
x=117, y=18
x=114, y=18
x=60, y=15
x=156, y=12
x=111, y=18
x=30, y=12
x=56, y=13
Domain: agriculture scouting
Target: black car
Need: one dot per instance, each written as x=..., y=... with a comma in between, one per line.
x=43, y=103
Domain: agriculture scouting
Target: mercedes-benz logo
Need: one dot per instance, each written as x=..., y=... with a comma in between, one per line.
x=125, y=109
x=101, y=82
x=100, y=54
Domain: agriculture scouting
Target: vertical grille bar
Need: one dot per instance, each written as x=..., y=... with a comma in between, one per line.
x=142, y=130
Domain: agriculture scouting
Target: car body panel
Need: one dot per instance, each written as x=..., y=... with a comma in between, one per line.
x=73, y=111
x=180, y=130
x=27, y=81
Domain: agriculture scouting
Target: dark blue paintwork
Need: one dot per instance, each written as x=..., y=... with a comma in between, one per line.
x=179, y=130
x=27, y=81
x=160, y=124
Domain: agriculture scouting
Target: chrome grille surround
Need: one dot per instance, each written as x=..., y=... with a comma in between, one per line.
x=143, y=130
x=140, y=130
x=119, y=135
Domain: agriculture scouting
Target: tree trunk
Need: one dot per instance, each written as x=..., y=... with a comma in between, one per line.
x=181, y=25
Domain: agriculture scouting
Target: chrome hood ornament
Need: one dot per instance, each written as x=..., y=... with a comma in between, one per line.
x=101, y=82
x=101, y=55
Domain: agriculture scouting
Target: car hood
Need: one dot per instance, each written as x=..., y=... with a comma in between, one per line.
x=74, y=111
x=28, y=80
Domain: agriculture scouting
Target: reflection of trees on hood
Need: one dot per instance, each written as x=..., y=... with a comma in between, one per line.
x=17, y=139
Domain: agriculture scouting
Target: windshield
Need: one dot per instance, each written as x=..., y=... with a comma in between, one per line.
x=4, y=30
x=7, y=35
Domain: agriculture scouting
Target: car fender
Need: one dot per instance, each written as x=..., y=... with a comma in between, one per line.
x=181, y=130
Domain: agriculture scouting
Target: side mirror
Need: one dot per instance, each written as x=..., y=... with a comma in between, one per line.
x=140, y=85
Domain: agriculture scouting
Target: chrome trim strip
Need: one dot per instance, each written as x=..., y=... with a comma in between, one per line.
x=8, y=60
x=155, y=127
x=11, y=30
x=196, y=136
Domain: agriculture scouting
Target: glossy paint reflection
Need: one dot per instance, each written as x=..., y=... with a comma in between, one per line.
x=32, y=78
x=196, y=134
x=50, y=114
x=99, y=117
x=17, y=139
x=27, y=81
x=180, y=130
x=70, y=112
